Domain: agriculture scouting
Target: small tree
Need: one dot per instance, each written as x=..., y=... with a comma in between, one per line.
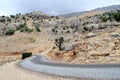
x=59, y=42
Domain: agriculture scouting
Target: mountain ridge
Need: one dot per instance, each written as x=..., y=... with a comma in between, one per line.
x=102, y=9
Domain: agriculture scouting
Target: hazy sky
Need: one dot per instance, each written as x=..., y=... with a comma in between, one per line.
x=53, y=7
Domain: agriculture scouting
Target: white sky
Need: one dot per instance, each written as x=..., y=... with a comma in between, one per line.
x=54, y=7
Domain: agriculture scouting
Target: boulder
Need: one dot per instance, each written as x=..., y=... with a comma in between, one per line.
x=68, y=47
x=66, y=39
x=115, y=34
x=91, y=34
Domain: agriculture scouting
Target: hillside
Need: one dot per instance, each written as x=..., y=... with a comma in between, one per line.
x=95, y=11
x=40, y=46
x=87, y=39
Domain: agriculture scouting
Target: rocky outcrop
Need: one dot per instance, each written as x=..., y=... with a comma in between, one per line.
x=115, y=34
x=65, y=55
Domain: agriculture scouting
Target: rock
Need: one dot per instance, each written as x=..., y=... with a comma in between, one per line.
x=91, y=34
x=115, y=34
x=66, y=39
x=91, y=27
x=77, y=36
x=70, y=46
x=107, y=38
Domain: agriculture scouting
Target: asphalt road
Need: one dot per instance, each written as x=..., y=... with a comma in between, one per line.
x=41, y=64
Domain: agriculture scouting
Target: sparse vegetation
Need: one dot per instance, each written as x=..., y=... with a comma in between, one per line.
x=83, y=35
x=113, y=15
x=24, y=28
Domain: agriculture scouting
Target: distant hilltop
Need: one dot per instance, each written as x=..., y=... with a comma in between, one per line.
x=103, y=9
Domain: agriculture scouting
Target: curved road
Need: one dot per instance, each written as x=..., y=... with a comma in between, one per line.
x=41, y=64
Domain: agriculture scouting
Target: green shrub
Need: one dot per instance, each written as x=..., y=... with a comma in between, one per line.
x=63, y=28
x=85, y=29
x=113, y=15
x=37, y=28
x=26, y=55
x=12, y=16
x=21, y=26
x=104, y=19
x=23, y=18
x=53, y=30
x=10, y=32
x=2, y=19
x=59, y=42
x=27, y=29
x=68, y=31
x=24, y=28
x=116, y=15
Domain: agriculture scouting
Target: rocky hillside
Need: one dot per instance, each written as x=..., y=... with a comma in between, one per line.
x=29, y=22
x=88, y=39
x=39, y=22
